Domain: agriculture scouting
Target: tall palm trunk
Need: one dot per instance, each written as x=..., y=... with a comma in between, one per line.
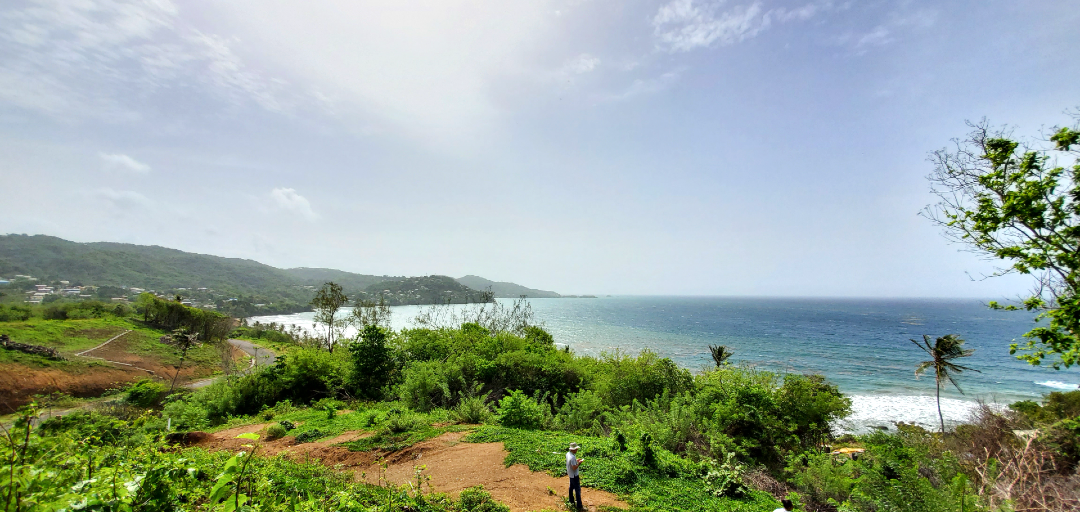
x=940, y=417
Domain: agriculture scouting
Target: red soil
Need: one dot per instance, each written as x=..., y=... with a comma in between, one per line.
x=448, y=465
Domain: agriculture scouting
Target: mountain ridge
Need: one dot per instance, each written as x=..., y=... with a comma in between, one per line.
x=504, y=289
x=51, y=258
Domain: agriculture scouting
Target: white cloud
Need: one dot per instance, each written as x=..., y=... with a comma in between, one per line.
x=645, y=86
x=433, y=70
x=287, y=199
x=122, y=162
x=105, y=58
x=685, y=25
x=121, y=200
x=890, y=31
x=682, y=26
x=583, y=63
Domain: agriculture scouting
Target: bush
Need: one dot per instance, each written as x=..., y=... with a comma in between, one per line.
x=373, y=363
x=287, y=425
x=822, y=477
x=405, y=422
x=309, y=436
x=622, y=379
x=581, y=412
x=14, y=313
x=476, y=499
x=186, y=414
x=518, y=410
x=726, y=479
x=648, y=453
x=275, y=431
x=145, y=393
x=431, y=384
x=472, y=410
x=55, y=312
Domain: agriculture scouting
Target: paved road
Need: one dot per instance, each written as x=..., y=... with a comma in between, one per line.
x=259, y=357
x=262, y=356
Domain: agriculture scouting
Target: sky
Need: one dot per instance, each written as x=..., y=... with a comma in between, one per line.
x=669, y=147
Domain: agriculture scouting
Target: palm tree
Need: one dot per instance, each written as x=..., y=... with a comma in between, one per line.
x=943, y=351
x=720, y=354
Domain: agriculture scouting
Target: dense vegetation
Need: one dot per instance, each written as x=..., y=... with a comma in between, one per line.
x=234, y=286
x=729, y=438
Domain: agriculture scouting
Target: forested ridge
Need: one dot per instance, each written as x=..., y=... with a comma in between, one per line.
x=49, y=259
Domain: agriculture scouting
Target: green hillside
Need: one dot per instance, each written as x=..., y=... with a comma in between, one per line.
x=235, y=286
x=104, y=263
x=353, y=284
x=426, y=290
x=503, y=289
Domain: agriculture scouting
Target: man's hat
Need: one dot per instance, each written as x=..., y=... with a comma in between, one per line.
x=574, y=447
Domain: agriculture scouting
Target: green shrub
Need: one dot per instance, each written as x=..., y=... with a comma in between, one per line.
x=427, y=385
x=476, y=499
x=405, y=422
x=821, y=476
x=55, y=312
x=14, y=313
x=145, y=393
x=622, y=379
x=726, y=479
x=580, y=412
x=186, y=414
x=473, y=409
x=618, y=440
x=373, y=363
x=519, y=410
x=275, y=431
x=370, y=418
x=309, y=436
x=648, y=452
x=287, y=425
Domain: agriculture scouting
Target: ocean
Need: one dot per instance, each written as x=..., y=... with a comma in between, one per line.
x=861, y=345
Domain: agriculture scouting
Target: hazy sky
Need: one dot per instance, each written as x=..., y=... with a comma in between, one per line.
x=623, y=147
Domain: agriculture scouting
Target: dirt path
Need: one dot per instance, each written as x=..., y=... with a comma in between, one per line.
x=259, y=357
x=452, y=465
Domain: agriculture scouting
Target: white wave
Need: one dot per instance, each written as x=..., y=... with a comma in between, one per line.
x=870, y=412
x=1057, y=384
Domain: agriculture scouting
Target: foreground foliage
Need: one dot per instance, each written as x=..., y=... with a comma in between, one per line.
x=1016, y=203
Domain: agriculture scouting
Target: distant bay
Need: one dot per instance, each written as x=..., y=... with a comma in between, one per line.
x=861, y=345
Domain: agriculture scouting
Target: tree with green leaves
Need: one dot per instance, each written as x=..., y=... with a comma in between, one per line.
x=368, y=312
x=1020, y=203
x=373, y=362
x=943, y=351
x=720, y=354
x=327, y=302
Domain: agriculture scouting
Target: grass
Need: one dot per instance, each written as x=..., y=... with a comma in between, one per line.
x=391, y=429
x=72, y=336
x=675, y=483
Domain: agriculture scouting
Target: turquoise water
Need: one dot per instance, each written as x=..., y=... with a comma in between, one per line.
x=861, y=345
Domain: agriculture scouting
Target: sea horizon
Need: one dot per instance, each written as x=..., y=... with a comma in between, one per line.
x=861, y=345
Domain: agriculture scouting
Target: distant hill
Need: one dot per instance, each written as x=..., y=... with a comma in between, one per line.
x=262, y=288
x=504, y=289
x=350, y=282
x=426, y=290
x=104, y=263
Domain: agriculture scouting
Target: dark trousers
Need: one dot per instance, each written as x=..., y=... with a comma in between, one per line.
x=575, y=485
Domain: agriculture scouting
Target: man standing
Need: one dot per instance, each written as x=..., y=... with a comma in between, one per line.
x=572, y=464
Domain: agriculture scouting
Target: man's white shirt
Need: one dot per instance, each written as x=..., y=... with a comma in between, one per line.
x=571, y=465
